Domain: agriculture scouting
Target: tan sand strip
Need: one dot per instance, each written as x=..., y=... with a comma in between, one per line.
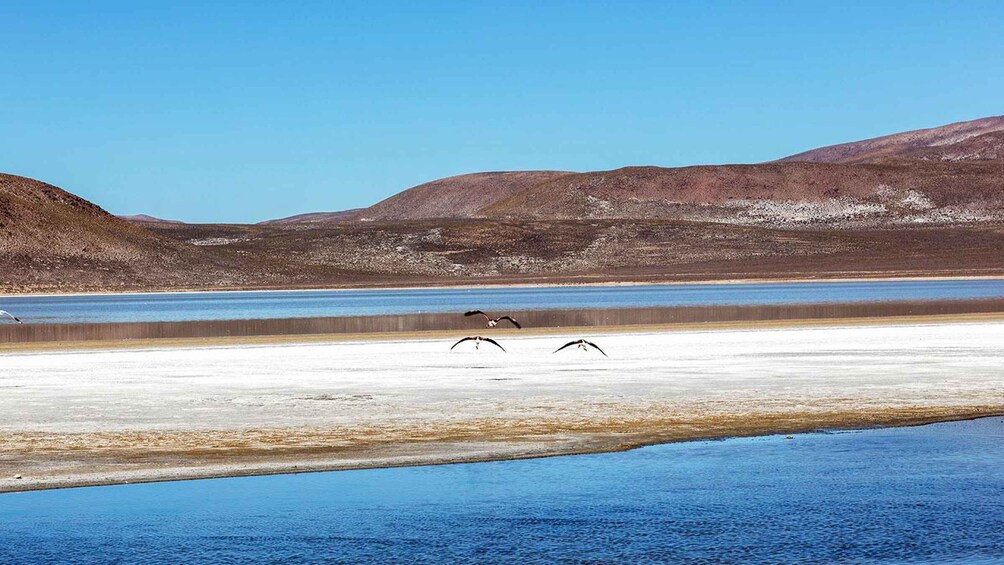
x=83, y=460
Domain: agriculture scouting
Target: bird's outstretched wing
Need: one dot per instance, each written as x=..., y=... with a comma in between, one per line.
x=11, y=316
x=493, y=342
x=569, y=344
x=597, y=348
x=475, y=313
x=461, y=341
x=514, y=322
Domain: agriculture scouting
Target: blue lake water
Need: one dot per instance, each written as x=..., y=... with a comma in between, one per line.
x=926, y=494
x=304, y=304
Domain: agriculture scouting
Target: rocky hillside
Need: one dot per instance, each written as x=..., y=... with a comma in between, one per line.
x=44, y=225
x=455, y=197
x=146, y=219
x=976, y=140
x=927, y=202
x=314, y=218
x=945, y=175
x=500, y=251
x=53, y=240
x=794, y=194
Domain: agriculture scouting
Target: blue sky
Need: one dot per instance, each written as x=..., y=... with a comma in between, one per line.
x=243, y=111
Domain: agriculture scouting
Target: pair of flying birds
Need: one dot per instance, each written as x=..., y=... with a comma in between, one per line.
x=492, y=322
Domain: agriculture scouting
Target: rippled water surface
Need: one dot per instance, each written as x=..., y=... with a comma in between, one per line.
x=927, y=494
x=303, y=304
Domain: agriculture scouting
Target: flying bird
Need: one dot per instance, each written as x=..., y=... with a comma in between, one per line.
x=477, y=342
x=9, y=315
x=583, y=345
x=492, y=322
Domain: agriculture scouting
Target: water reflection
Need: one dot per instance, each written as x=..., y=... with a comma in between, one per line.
x=177, y=307
x=598, y=317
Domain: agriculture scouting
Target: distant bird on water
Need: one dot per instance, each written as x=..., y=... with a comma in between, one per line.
x=9, y=315
x=583, y=345
x=492, y=322
x=477, y=342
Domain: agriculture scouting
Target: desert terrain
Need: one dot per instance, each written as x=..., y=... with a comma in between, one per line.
x=922, y=203
x=350, y=393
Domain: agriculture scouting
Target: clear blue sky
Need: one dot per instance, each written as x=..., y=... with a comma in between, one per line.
x=243, y=111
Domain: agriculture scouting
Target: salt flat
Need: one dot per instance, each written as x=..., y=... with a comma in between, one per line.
x=94, y=417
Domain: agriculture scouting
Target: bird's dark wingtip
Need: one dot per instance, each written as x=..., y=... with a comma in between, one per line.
x=597, y=347
x=564, y=346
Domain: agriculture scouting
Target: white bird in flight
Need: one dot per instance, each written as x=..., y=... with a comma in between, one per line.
x=9, y=315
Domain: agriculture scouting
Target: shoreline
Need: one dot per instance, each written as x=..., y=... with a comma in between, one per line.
x=438, y=285
x=447, y=454
x=91, y=417
x=154, y=344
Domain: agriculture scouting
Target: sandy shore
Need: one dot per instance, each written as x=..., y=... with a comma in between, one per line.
x=111, y=416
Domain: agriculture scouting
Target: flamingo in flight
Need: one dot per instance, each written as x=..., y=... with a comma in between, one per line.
x=477, y=342
x=583, y=345
x=9, y=315
x=492, y=322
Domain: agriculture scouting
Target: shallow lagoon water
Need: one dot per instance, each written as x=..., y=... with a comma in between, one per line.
x=924, y=494
x=330, y=303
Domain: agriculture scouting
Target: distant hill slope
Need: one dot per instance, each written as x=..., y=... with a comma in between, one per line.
x=51, y=239
x=985, y=147
x=772, y=193
x=146, y=219
x=963, y=141
x=947, y=174
x=925, y=201
x=455, y=197
x=40, y=220
x=314, y=218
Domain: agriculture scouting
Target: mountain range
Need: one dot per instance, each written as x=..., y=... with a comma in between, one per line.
x=922, y=202
x=950, y=173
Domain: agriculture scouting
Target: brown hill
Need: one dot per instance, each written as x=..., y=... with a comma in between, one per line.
x=986, y=147
x=772, y=193
x=963, y=141
x=930, y=203
x=53, y=240
x=40, y=220
x=455, y=197
x=947, y=174
x=147, y=219
x=314, y=218
x=500, y=251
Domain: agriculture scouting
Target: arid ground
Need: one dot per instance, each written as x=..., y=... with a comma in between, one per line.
x=921, y=203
